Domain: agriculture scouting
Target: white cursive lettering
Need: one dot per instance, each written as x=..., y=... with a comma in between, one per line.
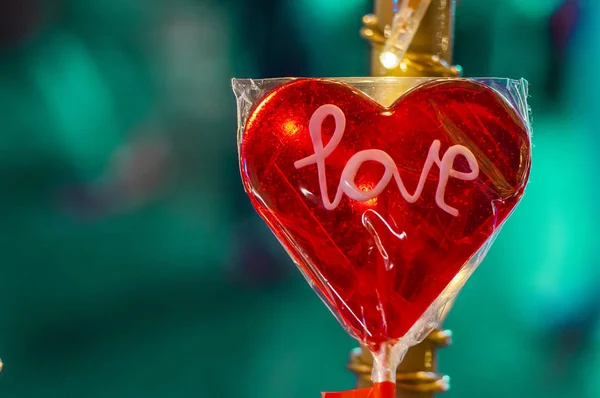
x=347, y=183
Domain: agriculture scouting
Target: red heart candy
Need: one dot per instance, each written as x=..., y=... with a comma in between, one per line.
x=382, y=207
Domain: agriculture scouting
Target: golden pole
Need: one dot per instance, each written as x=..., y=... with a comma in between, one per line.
x=429, y=55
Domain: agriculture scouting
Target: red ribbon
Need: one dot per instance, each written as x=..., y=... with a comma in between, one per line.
x=379, y=390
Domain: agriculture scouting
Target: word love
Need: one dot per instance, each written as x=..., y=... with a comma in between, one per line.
x=347, y=184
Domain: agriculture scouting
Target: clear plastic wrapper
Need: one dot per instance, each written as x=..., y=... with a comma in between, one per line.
x=407, y=18
x=386, y=192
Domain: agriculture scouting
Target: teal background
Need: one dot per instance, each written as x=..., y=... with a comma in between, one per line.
x=132, y=264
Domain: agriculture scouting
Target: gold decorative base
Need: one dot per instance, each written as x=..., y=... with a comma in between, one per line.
x=417, y=375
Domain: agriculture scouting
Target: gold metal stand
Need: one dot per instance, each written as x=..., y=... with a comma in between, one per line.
x=417, y=375
x=430, y=54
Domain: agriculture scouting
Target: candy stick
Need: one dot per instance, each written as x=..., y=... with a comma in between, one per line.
x=385, y=362
x=386, y=389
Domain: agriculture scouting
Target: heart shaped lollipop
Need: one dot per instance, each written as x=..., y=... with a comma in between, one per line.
x=382, y=207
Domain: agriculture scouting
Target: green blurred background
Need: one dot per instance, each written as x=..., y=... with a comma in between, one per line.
x=133, y=265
